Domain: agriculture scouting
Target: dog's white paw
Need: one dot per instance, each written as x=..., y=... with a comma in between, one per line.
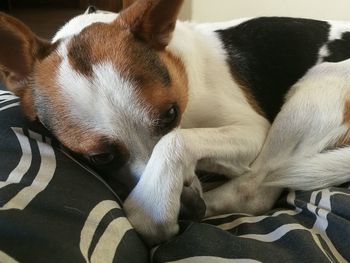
x=154, y=204
x=154, y=226
x=156, y=219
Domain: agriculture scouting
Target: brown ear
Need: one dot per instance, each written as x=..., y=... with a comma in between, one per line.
x=20, y=49
x=153, y=20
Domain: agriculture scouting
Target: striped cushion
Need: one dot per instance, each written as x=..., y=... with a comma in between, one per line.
x=304, y=227
x=53, y=209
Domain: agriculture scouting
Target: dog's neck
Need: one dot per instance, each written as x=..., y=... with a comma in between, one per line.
x=205, y=61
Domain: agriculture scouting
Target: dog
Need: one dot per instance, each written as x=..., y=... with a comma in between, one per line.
x=263, y=101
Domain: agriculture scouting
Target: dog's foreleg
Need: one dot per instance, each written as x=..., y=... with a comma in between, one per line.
x=153, y=206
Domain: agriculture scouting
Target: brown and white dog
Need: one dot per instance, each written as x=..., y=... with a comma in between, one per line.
x=163, y=98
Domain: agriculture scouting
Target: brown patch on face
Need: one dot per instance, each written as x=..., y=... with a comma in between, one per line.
x=162, y=97
x=115, y=43
x=85, y=141
x=159, y=76
x=79, y=56
x=54, y=112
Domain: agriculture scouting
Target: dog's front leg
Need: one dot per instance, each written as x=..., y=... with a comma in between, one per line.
x=153, y=206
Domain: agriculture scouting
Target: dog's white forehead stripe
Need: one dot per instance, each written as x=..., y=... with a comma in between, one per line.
x=78, y=23
x=104, y=102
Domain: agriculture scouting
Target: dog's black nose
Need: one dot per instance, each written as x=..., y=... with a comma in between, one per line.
x=192, y=205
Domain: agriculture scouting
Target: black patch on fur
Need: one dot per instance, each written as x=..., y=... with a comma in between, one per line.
x=339, y=49
x=269, y=54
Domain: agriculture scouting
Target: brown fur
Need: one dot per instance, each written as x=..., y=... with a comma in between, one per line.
x=345, y=139
x=127, y=3
x=159, y=97
x=346, y=113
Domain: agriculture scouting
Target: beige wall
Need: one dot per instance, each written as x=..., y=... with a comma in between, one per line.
x=221, y=10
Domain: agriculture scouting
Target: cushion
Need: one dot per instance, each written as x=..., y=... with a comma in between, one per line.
x=52, y=208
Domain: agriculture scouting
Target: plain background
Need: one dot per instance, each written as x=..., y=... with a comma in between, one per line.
x=223, y=10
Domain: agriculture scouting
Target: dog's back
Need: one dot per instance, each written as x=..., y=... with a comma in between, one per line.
x=269, y=54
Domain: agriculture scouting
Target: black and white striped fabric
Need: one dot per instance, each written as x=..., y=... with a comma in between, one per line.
x=53, y=209
x=307, y=227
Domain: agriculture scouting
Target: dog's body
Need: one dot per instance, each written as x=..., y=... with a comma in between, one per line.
x=119, y=84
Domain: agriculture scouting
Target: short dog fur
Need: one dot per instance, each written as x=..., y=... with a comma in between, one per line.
x=259, y=100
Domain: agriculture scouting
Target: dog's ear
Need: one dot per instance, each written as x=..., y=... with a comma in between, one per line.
x=153, y=20
x=20, y=49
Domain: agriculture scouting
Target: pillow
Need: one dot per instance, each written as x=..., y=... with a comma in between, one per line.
x=52, y=208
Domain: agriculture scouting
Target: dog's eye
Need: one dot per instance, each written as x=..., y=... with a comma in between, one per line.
x=101, y=159
x=169, y=118
x=171, y=115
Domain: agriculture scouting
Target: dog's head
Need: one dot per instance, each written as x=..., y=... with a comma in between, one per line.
x=106, y=86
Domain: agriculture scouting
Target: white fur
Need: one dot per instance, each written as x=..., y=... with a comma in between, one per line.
x=78, y=23
x=211, y=87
